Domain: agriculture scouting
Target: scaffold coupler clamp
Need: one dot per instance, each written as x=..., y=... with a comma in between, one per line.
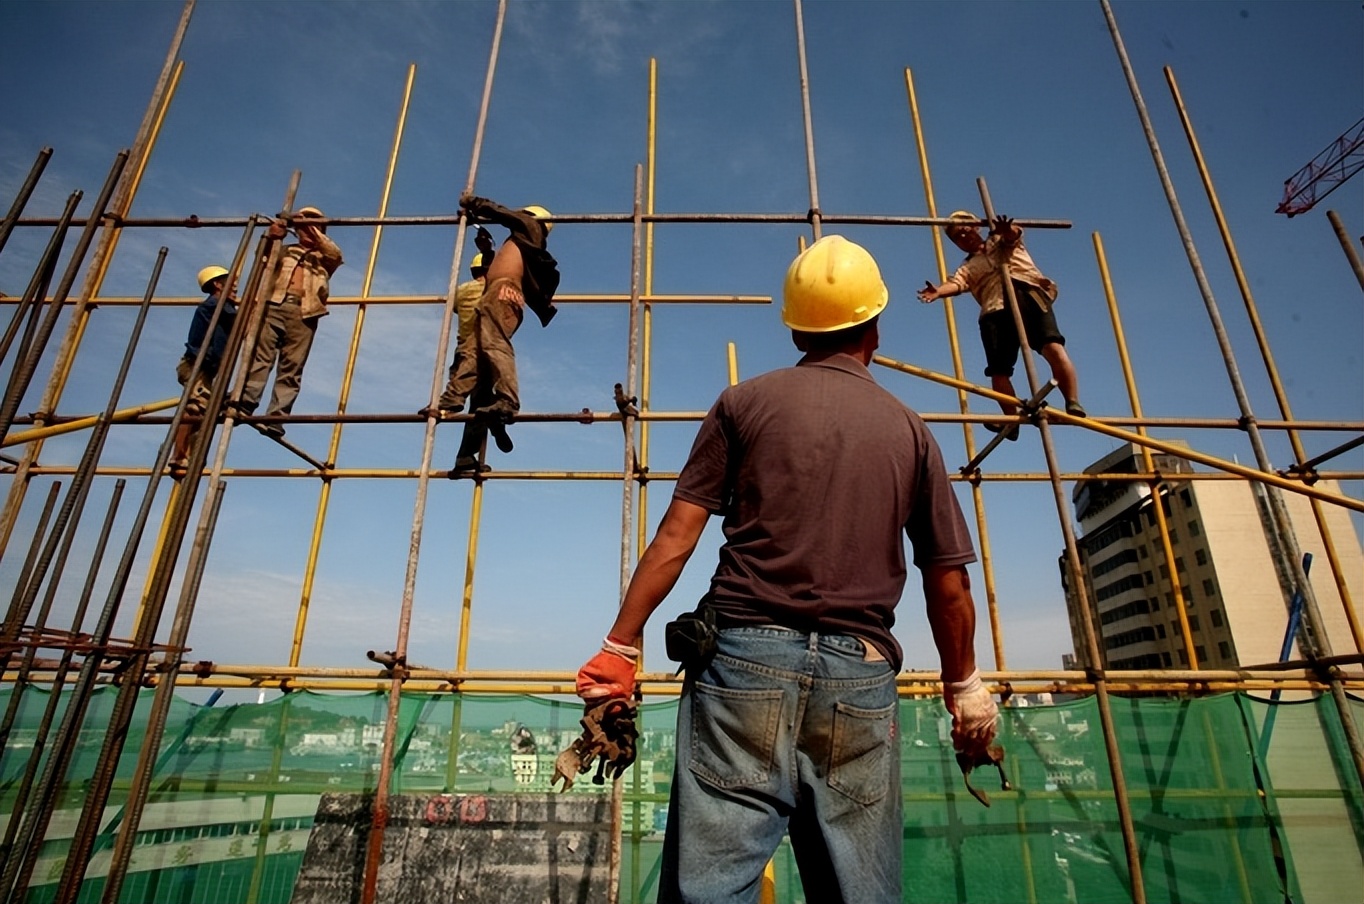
x=988, y=756
x=608, y=740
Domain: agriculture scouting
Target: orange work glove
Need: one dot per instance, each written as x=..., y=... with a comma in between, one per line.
x=974, y=713
x=611, y=673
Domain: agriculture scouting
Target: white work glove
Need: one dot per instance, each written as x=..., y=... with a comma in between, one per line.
x=974, y=713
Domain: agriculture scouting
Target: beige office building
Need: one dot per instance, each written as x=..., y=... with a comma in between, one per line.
x=1231, y=587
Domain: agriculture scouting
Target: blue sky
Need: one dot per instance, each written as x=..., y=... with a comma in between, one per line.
x=1028, y=95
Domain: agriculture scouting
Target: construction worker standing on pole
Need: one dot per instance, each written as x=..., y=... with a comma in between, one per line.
x=213, y=280
x=298, y=300
x=979, y=275
x=788, y=715
x=523, y=274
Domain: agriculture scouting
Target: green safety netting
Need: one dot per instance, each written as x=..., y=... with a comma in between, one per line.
x=1234, y=799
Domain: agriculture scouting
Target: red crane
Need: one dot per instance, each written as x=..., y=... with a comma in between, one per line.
x=1325, y=172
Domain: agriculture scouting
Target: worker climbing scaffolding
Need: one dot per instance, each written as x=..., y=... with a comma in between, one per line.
x=522, y=274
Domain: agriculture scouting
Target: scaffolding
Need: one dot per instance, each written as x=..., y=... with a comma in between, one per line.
x=81, y=662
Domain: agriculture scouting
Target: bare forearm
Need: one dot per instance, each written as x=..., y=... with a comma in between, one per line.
x=952, y=619
x=659, y=568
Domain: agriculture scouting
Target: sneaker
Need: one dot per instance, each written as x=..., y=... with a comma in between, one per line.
x=1011, y=433
x=499, y=432
x=274, y=431
x=467, y=467
x=178, y=468
x=1075, y=409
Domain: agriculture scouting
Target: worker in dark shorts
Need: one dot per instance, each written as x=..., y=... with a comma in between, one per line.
x=1036, y=294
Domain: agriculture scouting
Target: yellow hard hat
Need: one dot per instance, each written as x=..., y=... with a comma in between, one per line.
x=477, y=262
x=832, y=285
x=208, y=275
x=539, y=213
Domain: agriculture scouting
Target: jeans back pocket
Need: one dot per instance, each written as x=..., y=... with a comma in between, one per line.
x=734, y=735
x=860, y=754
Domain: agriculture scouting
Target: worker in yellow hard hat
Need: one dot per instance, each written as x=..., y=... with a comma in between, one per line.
x=523, y=274
x=300, y=286
x=979, y=274
x=787, y=717
x=208, y=331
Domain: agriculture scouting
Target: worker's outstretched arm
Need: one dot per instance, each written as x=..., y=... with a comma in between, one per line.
x=518, y=221
x=611, y=673
x=952, y=618
x=931, y=293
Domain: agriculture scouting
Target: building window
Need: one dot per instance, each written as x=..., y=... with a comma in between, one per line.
x=1215, y=616
x=1155, y=604
x=1174, y=535
x=1160, y=632
x=1209, y=588
x=1165, y=658
x=1184, y=495
x=1202, y=653
x=1149, y=580
x=1201, y=556
x=1193, y=529
x=1188, y=594
x=1183, y=658
x=1141, y=552
x=1164, y=572
x=1224, y=649
x=1193, y=626
x=1179, y=564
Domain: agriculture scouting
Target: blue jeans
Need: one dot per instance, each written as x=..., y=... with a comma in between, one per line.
x=785, y=731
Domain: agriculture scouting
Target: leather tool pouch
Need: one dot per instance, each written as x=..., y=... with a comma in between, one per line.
x=691, y=638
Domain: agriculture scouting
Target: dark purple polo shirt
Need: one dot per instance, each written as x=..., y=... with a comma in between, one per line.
x=817, y=470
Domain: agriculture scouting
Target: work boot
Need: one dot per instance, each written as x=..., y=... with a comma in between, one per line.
x=1075, y=409
x=467, y=466
x=499, y=432
x=274, y=431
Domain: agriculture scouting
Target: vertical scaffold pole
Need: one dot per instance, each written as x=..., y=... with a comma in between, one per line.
x=1148, y=463
x=1279, y=529
x=375, y=842
x=959, y=371
x=1280, y=394
x=816, y=216
x=1094, y=662
x=1351, y=254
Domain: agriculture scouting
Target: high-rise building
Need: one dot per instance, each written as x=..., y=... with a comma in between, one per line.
x=1222, y=561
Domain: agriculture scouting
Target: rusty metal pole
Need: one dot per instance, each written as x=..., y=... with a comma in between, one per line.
x=1278, y=528
x=1094, y=664
x=59, y=541
x=57, y=681
x=816, y=216
x=25, y=192
x=141, y=148
x=25, y=370
x=30, y=303
x=1351, y=254
x=14, y=622
x=375, y=841
x=628, y=470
